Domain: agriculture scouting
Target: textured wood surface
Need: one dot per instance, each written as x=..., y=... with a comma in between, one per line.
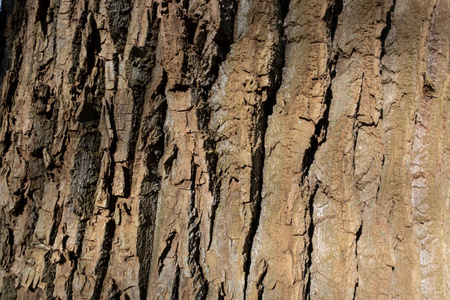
x=221, y=149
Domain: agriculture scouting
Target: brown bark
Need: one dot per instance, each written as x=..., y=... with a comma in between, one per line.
x=222, y=149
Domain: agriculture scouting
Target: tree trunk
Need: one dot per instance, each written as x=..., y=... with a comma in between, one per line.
x=225, y=149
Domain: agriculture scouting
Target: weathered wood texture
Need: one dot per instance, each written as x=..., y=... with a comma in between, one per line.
x=222, y=149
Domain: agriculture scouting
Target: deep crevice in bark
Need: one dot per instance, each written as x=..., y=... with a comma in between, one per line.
x=20, y=201
x=8, y=103
x=105, y=253
x=76, y=48
x=221, y=293
x=57, y=215
x=200, y=283
x=15, y=9
x=357, y=237
x=331, y=17
x=223, y=40
x=165, y=251
x=258, y=157
x=113, y=292
x=139, y=70
x=310, y=247
x=320, y=133
x=387, y=29
x=259, y=283
x=256, y=195
x=176, y=285
x=41, y=14
x=150, y=187
x=214, y=184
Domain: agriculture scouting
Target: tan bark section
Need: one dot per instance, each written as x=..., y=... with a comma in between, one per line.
x=225, y=149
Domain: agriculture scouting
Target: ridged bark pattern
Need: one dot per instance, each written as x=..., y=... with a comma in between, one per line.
x=225, y=149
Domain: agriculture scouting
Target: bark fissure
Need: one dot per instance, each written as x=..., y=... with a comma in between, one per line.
x=310, y=247
x=57, y=216
x=102, y=265
x=259, y=153
x=176, y=285
x=223, y=40
x=165, y=251
x=139, y=69
x=320, y=133
x=387, y=29
x=319, y=137
x=10, y=40
x=331, y=17
x=200, y=282
x=150, y=188
x=41, y=15
x=259, y=283
x=357, y=237
x=215, y=184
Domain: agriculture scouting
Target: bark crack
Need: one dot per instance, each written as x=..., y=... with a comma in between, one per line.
x=320, y=133
x=200, y=283
x=165, y=251
x=387, y=29
x=310, y=247
x=259, y=154
x=176, y=285
x=357, y=237
x=105, y=253
x=331, y=19
x=223, y=40
x=150, y=186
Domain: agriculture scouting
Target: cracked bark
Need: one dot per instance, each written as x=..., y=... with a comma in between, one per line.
x=225, y=149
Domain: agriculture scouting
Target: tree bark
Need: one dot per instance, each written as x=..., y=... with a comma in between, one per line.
x=225, y=149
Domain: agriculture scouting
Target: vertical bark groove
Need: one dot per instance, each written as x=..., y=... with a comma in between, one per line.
x=258, y=158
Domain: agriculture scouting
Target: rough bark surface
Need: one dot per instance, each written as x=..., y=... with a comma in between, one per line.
x=225, y=149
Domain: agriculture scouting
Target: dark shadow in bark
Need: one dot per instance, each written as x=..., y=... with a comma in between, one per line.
x=310, y=247
x=151, y=184
x=387, y=29
x=258, y=159
x=105, y=253
x=7, y=10
x=41, y=14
